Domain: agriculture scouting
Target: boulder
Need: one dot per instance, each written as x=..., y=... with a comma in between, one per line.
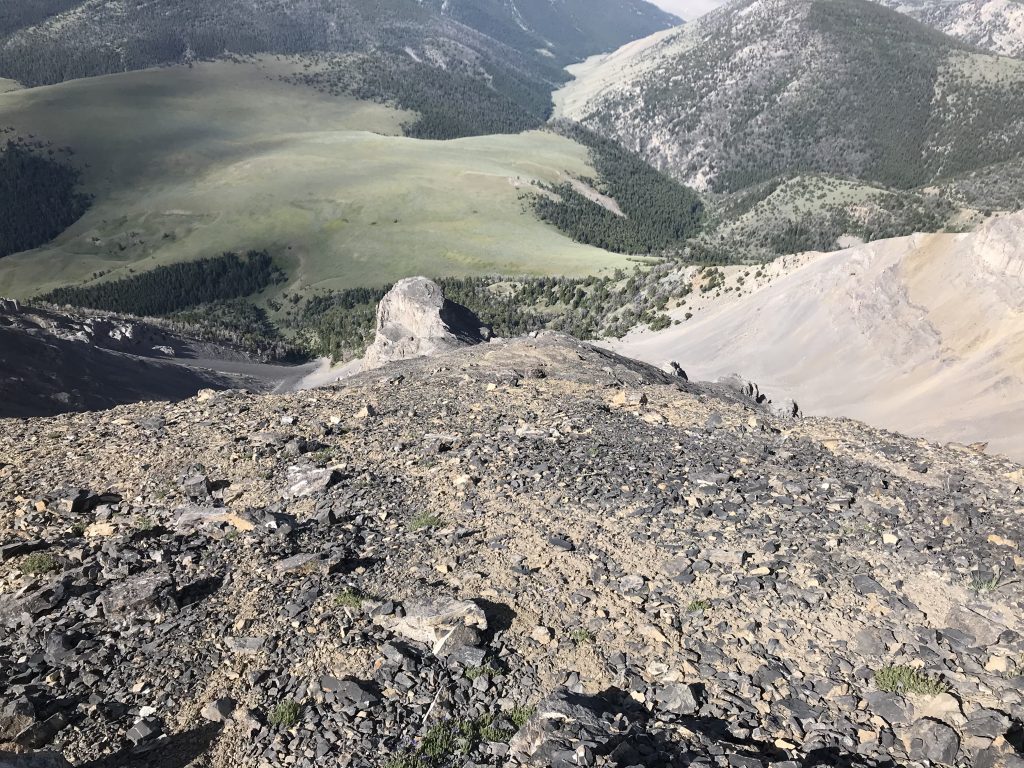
x=140, y=594
x=678, y=698
x=414, y=319
x=309, y=480
x=219, y=710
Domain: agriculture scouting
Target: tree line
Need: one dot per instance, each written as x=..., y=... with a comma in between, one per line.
x=341, y=324
x=168, y=289
x=40, y=197
x=658, y=212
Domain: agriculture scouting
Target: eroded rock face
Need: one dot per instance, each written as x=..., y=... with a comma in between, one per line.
x=415, y=320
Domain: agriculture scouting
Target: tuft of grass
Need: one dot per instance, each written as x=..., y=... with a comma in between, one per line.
x=39, y=563
x=698, y=605
x=582, y=636
x=904, y=679
x=520, y=714
x=285, y=714
x=350, y=598
x=474, y=672
x=423, y=521
x=987, y=586
x=77, y=530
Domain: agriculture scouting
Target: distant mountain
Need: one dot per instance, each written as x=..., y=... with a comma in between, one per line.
x=761, y=89
x=992, y=25
x=54, y=40
x=467, y=67
x=567, y=29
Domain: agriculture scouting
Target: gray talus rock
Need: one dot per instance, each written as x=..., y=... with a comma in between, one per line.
x=138, y=595
x=309, y=480
x=567, y=729
x=678, y=698
x=33, y=760
x=415, y=320
x=445, y=625
x=933, y=740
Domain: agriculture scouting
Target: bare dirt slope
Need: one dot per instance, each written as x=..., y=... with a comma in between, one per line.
x=922, y=334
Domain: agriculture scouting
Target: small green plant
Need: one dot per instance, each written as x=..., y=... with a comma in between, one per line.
x=424, y=520
x=987, y=586
x=581, y=636
x=325, y=456
x=350, y=598
x=77, y=530
x=520, y=714
x=406, y=760
x=904, y=679
x=474, y=672
x=39, y=563
x=454, y=738
x=285, y=714
x=439, y=742
x=698, y=605
x=483, y=729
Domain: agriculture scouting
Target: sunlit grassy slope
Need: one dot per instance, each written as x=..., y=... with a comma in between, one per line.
x=188, y=162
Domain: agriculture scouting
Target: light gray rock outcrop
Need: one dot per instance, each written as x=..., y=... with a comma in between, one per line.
x=414, y=319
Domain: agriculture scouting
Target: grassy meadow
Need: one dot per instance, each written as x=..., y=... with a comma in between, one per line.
x=189, y=162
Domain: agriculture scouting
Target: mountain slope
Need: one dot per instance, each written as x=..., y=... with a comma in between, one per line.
x=520, y=44
x=767, y=88
x=996, y=26
x=529, y=553
x=53, y=362
x=921, y=334
x=185, y=163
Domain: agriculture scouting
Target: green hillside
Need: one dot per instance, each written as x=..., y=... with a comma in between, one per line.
x=185, y=163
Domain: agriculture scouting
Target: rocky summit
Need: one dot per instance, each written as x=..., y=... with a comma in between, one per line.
x=526, y=553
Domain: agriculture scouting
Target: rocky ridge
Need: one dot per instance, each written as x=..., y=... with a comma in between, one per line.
x=530, y=552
